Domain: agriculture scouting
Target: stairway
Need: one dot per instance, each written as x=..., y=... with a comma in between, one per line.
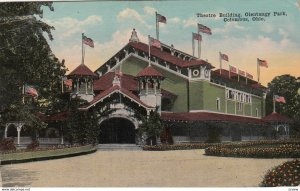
x=119, y=147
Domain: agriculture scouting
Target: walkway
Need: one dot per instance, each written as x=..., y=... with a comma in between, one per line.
x=140, y=168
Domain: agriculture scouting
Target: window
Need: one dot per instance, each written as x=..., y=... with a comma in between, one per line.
x=256, y=112
x=240, y=106
x=218, y=104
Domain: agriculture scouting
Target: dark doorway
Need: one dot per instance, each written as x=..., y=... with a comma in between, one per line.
x=117, y=130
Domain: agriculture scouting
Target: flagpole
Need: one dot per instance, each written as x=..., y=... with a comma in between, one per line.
x=229, y=72
x=149, y=50
x=274, y=111
x=220, y=63
x=199, y=47
x=82, y=56
x=193, y=44
x=246, y=78
x=238, y=74
x=258, y=72
x=157, y=27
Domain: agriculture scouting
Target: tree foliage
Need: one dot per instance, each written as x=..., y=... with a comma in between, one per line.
x=26, y=58
x=286, y=86
x=151, y=127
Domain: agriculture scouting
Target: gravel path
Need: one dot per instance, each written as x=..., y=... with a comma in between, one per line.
x=140, y=169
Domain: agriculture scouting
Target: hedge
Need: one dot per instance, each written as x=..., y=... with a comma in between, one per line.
x=286, y=174
x=274, y=149
x=178, y=147
x=45, y=154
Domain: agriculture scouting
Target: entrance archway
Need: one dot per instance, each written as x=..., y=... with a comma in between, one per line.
x=117, y=130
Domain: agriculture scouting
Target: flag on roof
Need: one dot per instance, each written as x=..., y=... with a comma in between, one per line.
x=88, y=41
x=68, y=82
x=241, y=72
x=197, y=37
x=204, y=29
x=161, y=18
x=262, y=63
x=249, y=76
x=279, y=99
x=224, y=57
x=232, y=69
x=154, y=42
x=29, y=90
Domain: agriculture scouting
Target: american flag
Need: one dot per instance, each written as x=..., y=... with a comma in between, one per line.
x=249, y=76
x=232, y=69
x=279, y=99
x=88, y=41
x=154, y=42
x=68, y=82
x=204, y=29
x=241, y=72
x=197, y=37
x=262, y=63
x=31, y=91
x=161, y=18
x=224, y=57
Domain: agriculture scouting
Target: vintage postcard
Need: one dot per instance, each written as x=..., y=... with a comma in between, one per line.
x=181, y=93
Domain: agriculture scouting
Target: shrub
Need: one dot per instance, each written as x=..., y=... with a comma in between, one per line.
x=7, y=144
x=177, y=147
x=33, y=145
x=286, y=174
x=270, y=149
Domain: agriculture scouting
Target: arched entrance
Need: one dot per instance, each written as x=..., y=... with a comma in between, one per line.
x=117, y=130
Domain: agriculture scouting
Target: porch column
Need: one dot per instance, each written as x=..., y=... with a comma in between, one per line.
x=77, y=85
x=19, y=127
x=86, y=86
x=5, y=133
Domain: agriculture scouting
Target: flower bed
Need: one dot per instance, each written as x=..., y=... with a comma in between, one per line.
x=270, y=149
x=20, y=156
x=178, y=147
x=287, y=174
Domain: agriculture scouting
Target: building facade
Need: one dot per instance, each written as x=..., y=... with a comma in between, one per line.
x=190, y=94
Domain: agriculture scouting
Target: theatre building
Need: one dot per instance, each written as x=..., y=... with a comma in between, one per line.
x=193, y=98
x=190, y=94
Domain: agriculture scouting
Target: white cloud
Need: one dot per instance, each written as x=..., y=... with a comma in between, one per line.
x=95, y=57
x=130, y=14
x=67, y=26
x=229, y=27
x=175, y=20
x=190, y=22
x=150, y=10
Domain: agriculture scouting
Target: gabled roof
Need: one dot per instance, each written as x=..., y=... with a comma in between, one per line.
x=116, y=89
x=149, y=72
x=206, y=116
x=166, y=56
x=82, y=70
x=276, y=117
x=105, y=82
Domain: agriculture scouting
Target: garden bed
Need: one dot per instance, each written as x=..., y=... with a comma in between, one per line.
x=257, y=149
x=184, y=146
x=21, y=156
x=286, y=174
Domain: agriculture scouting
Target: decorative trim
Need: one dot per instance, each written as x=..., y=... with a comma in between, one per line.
x=207, y=111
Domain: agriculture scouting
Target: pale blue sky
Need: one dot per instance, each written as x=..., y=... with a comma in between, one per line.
x=109, y=24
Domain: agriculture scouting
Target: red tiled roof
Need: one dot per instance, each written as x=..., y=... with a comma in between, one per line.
x=61, y=116
x=224, y=73
x=82, y=70
x=206, y=116
x=149, y=71
x=105, y=82
x=196, y=63
x=276, y=117
x=113, y=89
x=166, y=56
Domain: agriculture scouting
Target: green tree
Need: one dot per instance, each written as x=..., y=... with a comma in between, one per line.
x=286, y=86
x=151, y=127
x=26, y=58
